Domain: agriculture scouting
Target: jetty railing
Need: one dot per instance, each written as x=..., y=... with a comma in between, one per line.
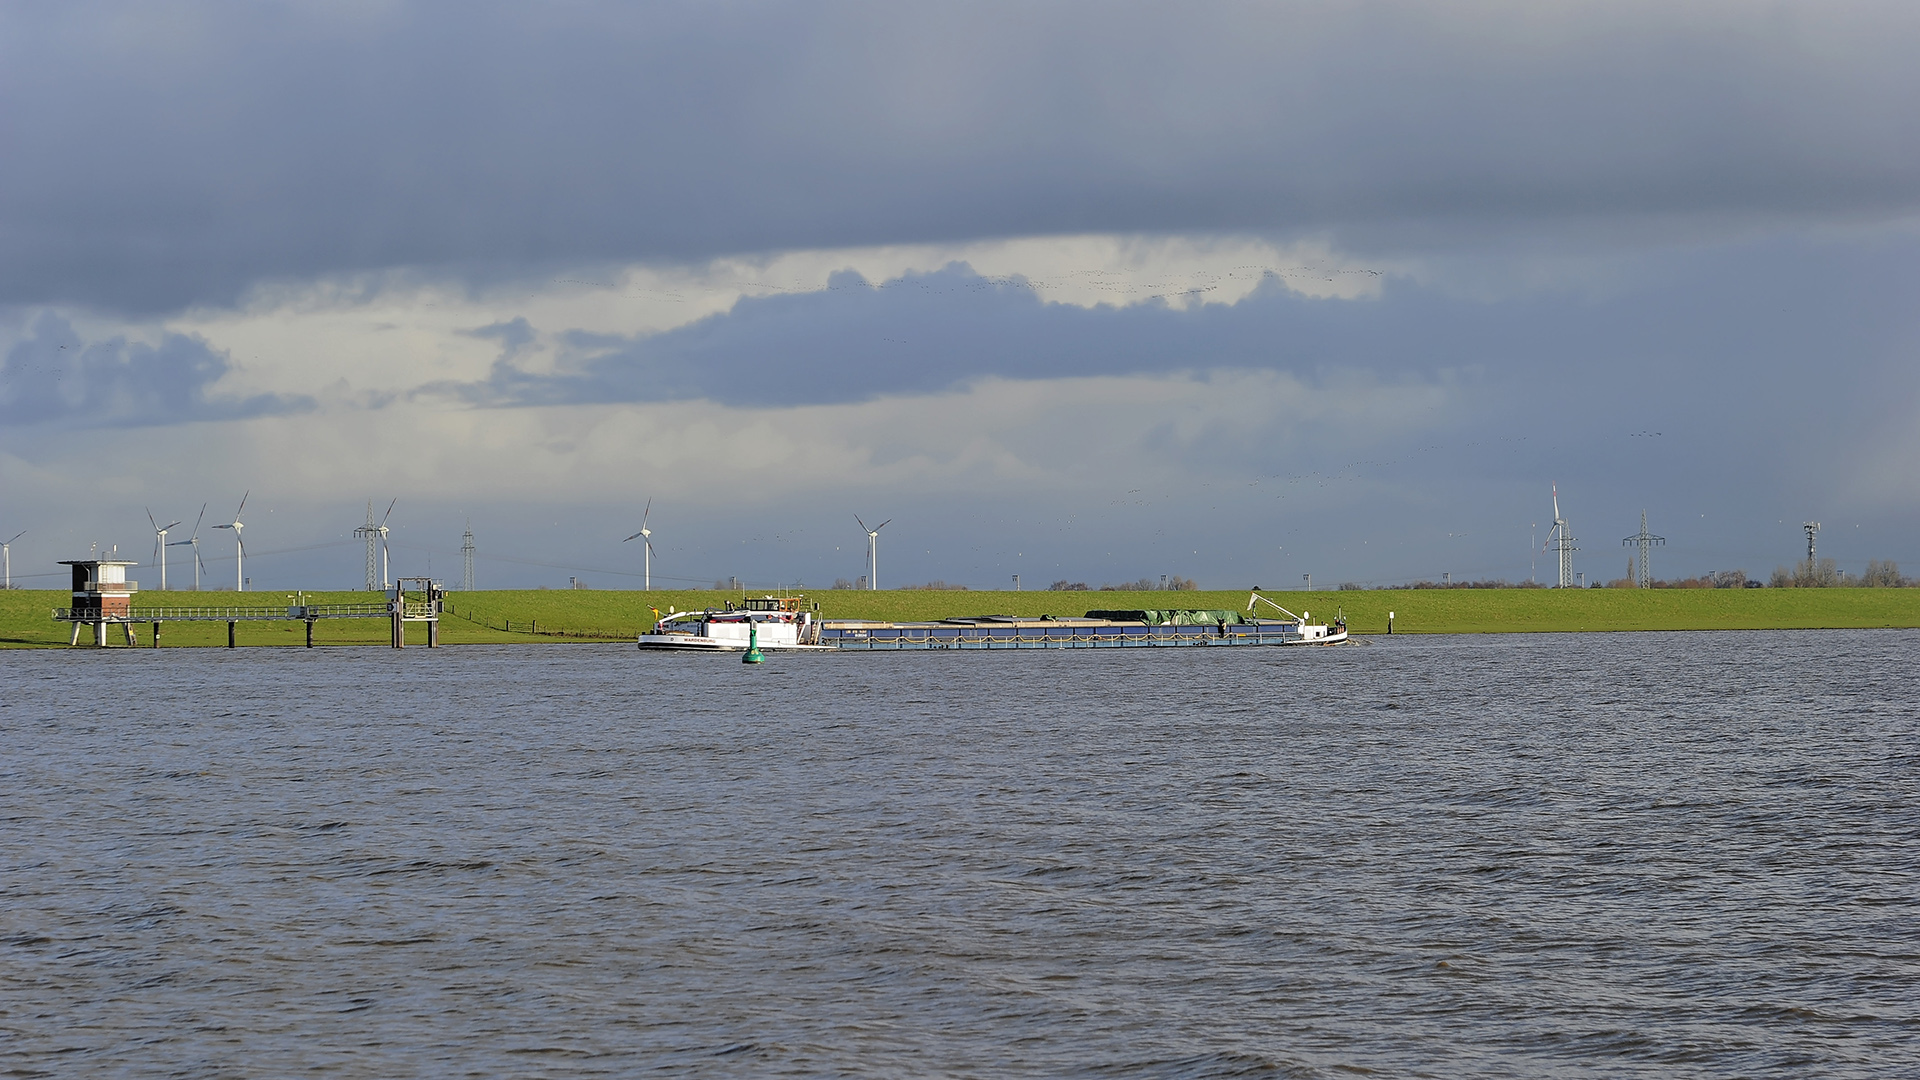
x=422, y=604
x=296, y=612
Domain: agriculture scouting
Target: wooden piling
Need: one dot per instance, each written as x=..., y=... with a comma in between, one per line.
x=230, y=631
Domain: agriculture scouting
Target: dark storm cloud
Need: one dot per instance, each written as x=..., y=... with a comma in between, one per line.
x=853, y=341
x=160, y=155
x=54, y=377
x=1697, y=331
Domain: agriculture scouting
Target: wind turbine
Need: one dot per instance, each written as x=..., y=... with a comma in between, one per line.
x=645, y=535
x=160, y=546
x=1561, y=539
x=239, y=546
x=6, y=554
x=873, y=550
x=194, y=542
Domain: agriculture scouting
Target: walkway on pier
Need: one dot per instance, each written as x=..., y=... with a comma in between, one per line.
x=402, y=608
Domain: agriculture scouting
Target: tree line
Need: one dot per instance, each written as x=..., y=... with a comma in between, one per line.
x=1880, y=574
x=1171, y=583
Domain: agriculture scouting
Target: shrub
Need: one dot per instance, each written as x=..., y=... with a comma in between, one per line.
x=1883, y=575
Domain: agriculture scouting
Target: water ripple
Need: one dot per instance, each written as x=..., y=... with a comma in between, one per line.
x=1611, y=855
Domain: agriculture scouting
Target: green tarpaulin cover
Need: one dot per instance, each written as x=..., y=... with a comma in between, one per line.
x=1165, y=617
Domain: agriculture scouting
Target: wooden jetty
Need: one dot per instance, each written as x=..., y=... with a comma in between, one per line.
x=102, y=598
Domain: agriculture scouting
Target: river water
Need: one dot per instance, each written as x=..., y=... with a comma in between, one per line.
x=1530, y=855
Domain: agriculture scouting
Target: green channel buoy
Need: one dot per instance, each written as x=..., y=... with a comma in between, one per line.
x=754, y=656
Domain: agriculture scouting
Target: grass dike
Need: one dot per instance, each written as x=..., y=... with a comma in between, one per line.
x=560, y=615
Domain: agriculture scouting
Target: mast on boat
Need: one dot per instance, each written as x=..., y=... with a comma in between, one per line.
x=1253, y=596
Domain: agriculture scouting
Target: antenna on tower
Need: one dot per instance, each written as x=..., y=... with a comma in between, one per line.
x=1561, y=540
x=1646, y=540
x=1813, y=529
x=466, y=557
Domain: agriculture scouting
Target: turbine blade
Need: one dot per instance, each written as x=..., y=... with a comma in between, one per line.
x=647, y=511
x=863, y=525
x=201, y=518
x=631, y=537
x=390, y=506
x=18, y=535
x=154, y=561
x=150, y=521
x=651, y=549
x=243, y=503
x=883, y=525
x=170, y=528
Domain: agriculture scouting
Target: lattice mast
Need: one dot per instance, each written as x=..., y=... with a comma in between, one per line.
x=1813, y=529
x=371, y=532
x=1646, y=541
x=466, y=557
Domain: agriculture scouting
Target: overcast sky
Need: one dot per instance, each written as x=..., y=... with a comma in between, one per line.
x=1238, y=292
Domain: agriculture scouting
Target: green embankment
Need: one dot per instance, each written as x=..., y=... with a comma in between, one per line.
x=591, y=615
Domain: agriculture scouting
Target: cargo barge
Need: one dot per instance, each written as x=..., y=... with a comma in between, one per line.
x=785, y=624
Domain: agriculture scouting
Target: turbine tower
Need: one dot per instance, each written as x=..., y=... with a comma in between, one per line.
x=873, y=550
x=1561, y=540
x=193, y=542
x=1646, y=541
x=645, y=536
x=160, y=546
x=6, y=554
x=239, y=546
x=466, y=556
x=376, y=537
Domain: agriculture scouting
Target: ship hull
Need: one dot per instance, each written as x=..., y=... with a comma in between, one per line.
x=1108, y=636
x=692, y=643
x=781, y=626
